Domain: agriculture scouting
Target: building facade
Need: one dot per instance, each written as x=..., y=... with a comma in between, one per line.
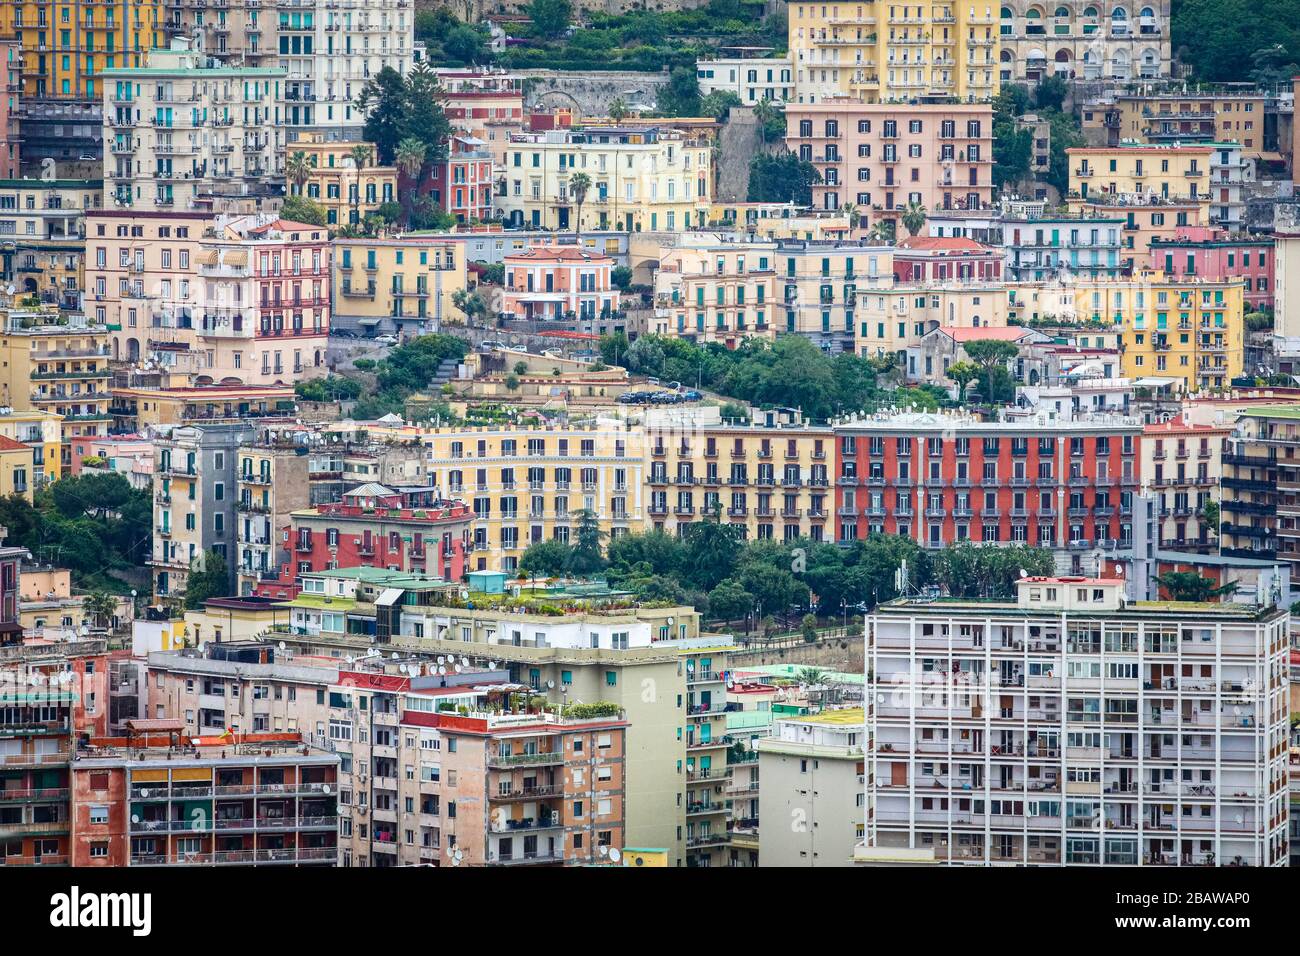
x=1084, y=40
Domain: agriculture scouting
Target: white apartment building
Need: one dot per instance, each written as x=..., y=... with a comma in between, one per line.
x=186, y=132
x=812, y=795
x=1071, y=727
x=753, y=79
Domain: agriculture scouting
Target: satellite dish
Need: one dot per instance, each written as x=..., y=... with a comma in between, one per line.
x=441, y=659
x=615, y=854
x=393, y=657
x=401, y=668
x=143, y=793
x=550, y=685
x=135, y=818
x=457, y=668
x=604, y=851
x=492, y=665
x=282, y=645
x=441, y=669
x=1024, y=573
x=325, y=788
x=350, y=659
x=464, y=661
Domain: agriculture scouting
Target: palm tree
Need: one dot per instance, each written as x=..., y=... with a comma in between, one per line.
x=913, y=218
x=410, y=158
x=360, y=156
x=767, y=114
x=99, y=607
x=579, y=183
x=854, y=213
x=297, y=168
x=617, y=109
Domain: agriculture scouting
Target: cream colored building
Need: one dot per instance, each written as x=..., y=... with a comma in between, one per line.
x=1167, y=172
x=348, y=192
x=709, y=290
x=642, y=179
x=43, y=432
x=1180, y=465
x=820, y=283
x=892, y=53
x=1083, y=40
x=189, y=132
x=42, y=245
x=528, y=484
x=892, y=320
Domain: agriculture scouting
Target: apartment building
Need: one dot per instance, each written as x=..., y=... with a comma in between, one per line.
x=1070, y=726
x=941, y=349
x=945, y=478
x=399, y=286
x=138, y=407
x=402, y=529
x=344, y=177
x=189, y=132
x=752, y=79
x=813, y=770
x=486, y=105
x=1084, y=41
x=462, y=184
x=601, y=648
x=17, y=468
x=893, y=54
x=1220, y=257
x=56, y=363
x=651, y=178
x=1192, y=332
x=195, y=488
x=527, y=485
x=42, y=431
x=1168, y=172
x=896, y=320
x=1180, y=466
x=238, y=32
x=272, y=482
x=883, y=157
x=941, y=258
x=1164, y=116
x=712, y=291
x=11, y=57
x=560, y=283
x=1259, y=507
x=42, y=223
x=819, y=283
x=159, y=798
x=1063, y=246
x=66, y=48
x=769, y=481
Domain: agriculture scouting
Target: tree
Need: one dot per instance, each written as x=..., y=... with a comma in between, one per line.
x=680, y=96
x=1210, y=514
x=774, y=588
x=99, y=606
x=410, y=159
x=718, y=104
x=963, y=373
x=383, y=102
x=1051, y=92
x=728, y=601
x=550, y=17
x=208, y=578
x=546, y=559
x=782, y=178
x=711, y=549
x=585, y=559
x=770, y=117
x=617, y=109
x=521, y=368
x=464, y=45
x=853, y=213
x=1013, y=148
x=302, y=209
x=913, y=217
x=1190, y=586
x=808, y=626
x=620, y=277
x=972, y=570
x=297, y=170
x=579, y=183
x=512, y=382
x=990, y=354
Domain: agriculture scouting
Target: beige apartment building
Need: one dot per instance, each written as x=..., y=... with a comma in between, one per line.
x=1083, y=40
x=1180, y=465
x=42, y=230
x=819, y=284
x=893, y=53
x=1167, y=172
x=403, y=286
x=771, y=482
x=1170, y=116
x=189, y=132
x=529, y=484
x=881, y=157
x=712, y=291
x=1146, y=219
x=348, y=191
x=893, y=320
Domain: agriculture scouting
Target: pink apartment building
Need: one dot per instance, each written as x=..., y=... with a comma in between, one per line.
x=462, y=183
x=1205, y=252
x=881, y=156
x=940, y=258
x=550, y=282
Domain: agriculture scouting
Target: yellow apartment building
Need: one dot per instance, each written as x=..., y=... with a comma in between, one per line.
x=645, y=179
x=42, y=431
x=715, y=291
x=527, y=484
x=1167, y=172
x=66, y=46
x=1220, y=116
x=772, y=482
x=890, y=53
x=398, y=286
x=43, y=225
x=348, y=192
x=17, y=469
x=892, y=320
x=1188, y=331
x=56, y=363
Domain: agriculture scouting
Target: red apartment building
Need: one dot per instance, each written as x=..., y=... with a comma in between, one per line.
x=462, y=183
x=402, y=529
x=943, y=258
x=1203, y=252
x=943, y=479
x=291, y=282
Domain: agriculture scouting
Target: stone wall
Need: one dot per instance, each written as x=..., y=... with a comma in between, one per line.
x=589, y=93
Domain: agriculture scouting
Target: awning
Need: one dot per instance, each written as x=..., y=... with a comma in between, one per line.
x=238, y=258
x=389, y=597
x=369, y=320
x=207, y=257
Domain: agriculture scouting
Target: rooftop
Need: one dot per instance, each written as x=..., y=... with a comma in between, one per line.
x=849, y=717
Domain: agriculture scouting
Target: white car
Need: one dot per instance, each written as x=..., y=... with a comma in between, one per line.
x=385, y=340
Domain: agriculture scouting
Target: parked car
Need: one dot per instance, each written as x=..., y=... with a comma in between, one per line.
x=691, y=395
x=385, y=339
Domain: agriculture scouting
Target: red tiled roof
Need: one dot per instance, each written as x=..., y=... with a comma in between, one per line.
x=1179, y=426
x=10, y=444
x=943, y=244
x=287, y=225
